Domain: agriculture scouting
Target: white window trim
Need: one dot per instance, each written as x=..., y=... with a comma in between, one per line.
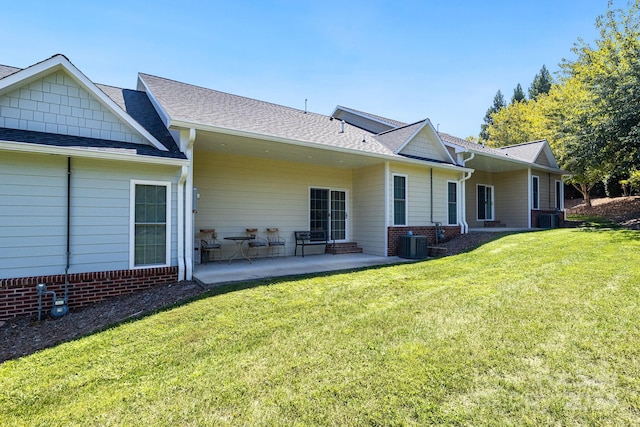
x=493, y=202
x=406, y=200
x=347, y=206
x=132, y=222
x=560, y=185
x=535, y=203
x=457, y=206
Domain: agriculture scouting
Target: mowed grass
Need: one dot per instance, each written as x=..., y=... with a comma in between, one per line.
x=531, y=329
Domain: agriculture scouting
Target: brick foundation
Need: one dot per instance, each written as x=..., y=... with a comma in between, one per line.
x=18, y=297
x=394, y=233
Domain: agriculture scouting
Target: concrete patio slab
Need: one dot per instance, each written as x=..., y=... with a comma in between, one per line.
x=217, y=273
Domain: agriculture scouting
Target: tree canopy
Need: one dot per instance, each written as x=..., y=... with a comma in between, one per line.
x=541, y=83
x=591, y=116
x=518, y=94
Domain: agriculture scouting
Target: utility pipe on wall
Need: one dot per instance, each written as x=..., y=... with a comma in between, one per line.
x=464, y=226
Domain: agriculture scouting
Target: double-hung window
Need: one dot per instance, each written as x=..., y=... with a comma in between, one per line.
x=399, y=200
x=452, y=203
x=535, y=192
x=150, y=223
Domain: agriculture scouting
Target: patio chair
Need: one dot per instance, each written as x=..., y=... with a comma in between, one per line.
x=255, y=242
x=209, y=244
x=275, y=241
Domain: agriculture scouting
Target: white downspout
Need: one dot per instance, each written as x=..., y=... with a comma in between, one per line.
x=529, y=197
x=464, y=226
x=189, y=204
x=182, y=209
x=386, y=209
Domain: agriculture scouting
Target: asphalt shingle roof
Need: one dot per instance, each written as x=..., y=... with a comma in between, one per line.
x=59, y=140
x=207, y=107
x=139, y=107
x=395, y=138
x=134, y=103
x=5, y=70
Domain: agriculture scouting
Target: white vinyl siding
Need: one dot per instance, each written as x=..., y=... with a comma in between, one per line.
x=238, y=192
x=426, y=145
x=33, y=213
x=368, y=210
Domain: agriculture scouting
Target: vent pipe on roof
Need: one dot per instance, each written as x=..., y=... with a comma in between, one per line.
x=364, y=138
x=342, y=126
x=305, y=105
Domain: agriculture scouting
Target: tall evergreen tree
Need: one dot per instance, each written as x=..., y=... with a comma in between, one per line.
x=541, y=83
x=498, y=104
x=518, y=95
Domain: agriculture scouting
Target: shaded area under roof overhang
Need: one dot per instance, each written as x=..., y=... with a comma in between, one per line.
x=297, y=152
x=239, y=145
x=488, y=163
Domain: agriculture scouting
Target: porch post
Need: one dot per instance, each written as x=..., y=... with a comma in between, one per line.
x=529, y=197
x=386, y=209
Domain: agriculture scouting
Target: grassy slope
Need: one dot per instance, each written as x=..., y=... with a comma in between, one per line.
x=538, y=328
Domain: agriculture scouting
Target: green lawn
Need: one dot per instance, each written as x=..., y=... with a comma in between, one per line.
x=531, y=329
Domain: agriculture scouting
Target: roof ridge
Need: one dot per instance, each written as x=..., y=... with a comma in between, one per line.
x=235, y=96
x=402, y=127
x=523, y=143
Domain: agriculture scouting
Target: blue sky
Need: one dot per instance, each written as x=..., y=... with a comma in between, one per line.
x=405, y=60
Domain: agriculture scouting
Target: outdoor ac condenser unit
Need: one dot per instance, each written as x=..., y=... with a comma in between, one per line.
x=413, y=247
x=549, y=221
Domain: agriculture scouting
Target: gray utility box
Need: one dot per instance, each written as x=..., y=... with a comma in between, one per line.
x=413, y=247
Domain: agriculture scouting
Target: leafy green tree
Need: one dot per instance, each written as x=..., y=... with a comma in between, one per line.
x=541, y=83
x=518, y=95
x=601, y=136
x=498, y=104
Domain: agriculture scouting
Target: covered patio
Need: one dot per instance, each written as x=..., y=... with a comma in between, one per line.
x=239, y=270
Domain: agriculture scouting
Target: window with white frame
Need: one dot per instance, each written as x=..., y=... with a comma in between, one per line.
x=559, y=195
x=150, y=223
x=485, y=202
x=399, y=200
x=452, y=203
x=535, y=192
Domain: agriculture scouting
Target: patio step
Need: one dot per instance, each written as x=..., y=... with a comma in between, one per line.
x=343, y=248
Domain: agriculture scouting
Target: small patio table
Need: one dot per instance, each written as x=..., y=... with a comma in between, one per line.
x=239, y=241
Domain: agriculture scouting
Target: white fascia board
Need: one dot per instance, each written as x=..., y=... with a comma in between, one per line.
x=359, y=114
x=60, y=62
x=457, y=148
x=178, y=124
x=90, y=152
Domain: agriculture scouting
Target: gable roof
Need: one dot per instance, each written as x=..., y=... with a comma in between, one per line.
x=134, y=108
x=59, y=62
x=185, y=105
